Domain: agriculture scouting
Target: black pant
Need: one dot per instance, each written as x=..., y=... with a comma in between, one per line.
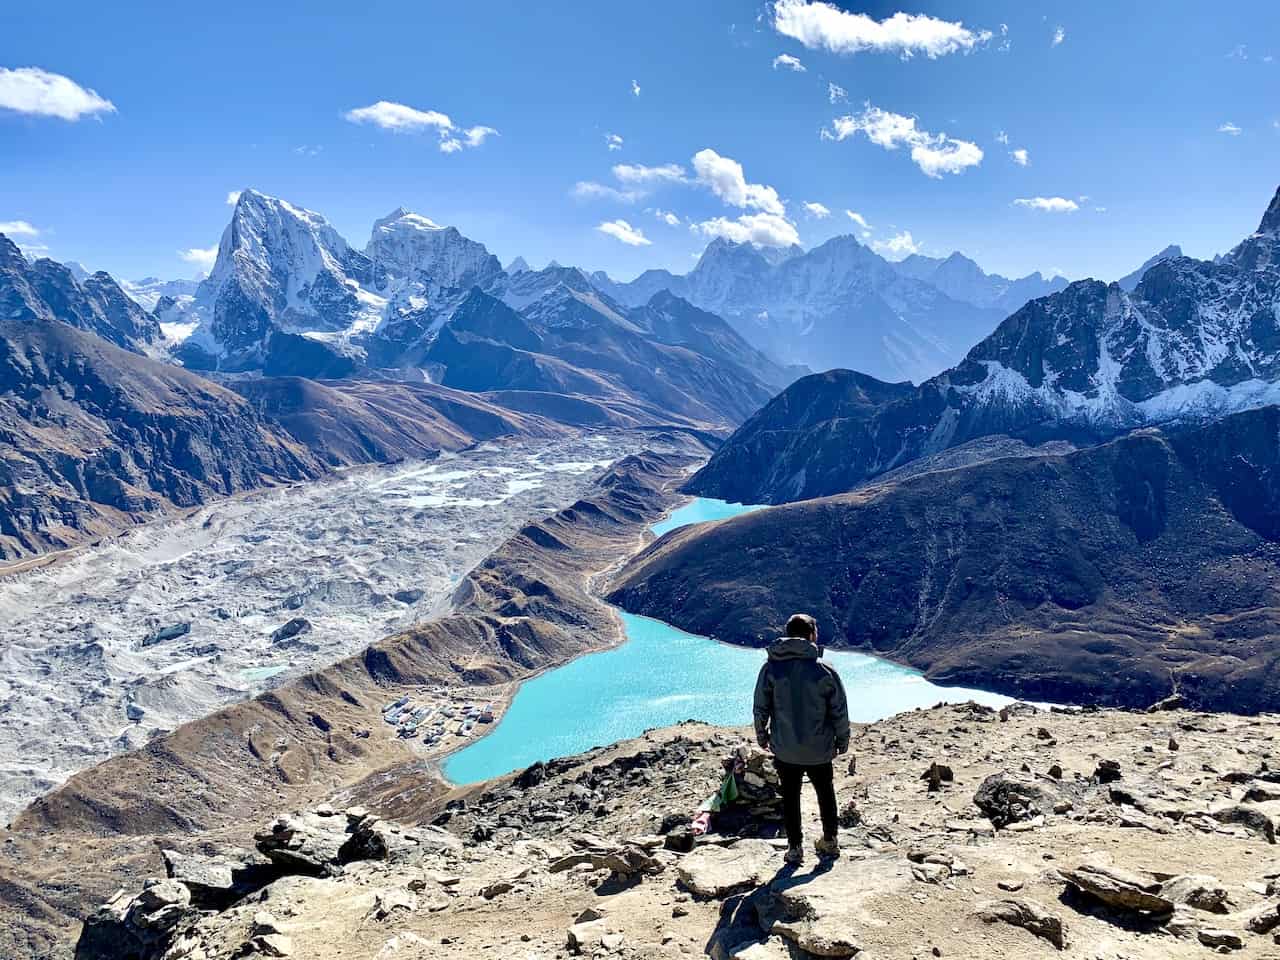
x=820, y=775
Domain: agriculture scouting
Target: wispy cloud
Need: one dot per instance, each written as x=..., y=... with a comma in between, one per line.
x=613, y=141
x=1020, y=156
x=837, y=93
x=1059, y=34
x=1230, y=129
x=858, y=218
x=40, y=93
x=591, y=190
x=639, y=173
x=788, y=61
x=897, y=247
x=934, y=153
x=725, y=178
x=308, y=150
x=201, y=257
x=635, y=88
x=18, y=228
x=824, y=26
x=621, y=230
x=1239, y=52
x=1048, y=204
x=667, y=217
x=401, y=118
x=762, y=229
x=816, y=210
x=1003, y=138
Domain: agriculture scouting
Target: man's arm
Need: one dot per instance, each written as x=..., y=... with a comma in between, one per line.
x=838, y=712
x=763, y=709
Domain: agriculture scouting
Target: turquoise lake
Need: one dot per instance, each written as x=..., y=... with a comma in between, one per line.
x=660, y=676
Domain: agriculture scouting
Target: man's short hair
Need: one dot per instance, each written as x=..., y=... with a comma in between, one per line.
x=802, y=625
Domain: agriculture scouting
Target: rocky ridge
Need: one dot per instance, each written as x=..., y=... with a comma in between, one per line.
x=965, y=832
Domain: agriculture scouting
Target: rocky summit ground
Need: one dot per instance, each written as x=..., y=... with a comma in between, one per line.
x=967, y=833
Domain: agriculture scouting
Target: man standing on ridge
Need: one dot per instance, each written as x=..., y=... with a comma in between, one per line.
x=801, y=714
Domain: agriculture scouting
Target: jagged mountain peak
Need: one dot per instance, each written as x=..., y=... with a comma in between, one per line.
x=1271, y=219
x=1131, y=280
x=518, y=265
x=403, y=219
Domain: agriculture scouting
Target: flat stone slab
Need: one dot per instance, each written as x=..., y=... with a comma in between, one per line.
x=713, y=871
x=825, y=912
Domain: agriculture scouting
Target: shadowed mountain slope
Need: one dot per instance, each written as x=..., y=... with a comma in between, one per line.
x=1113, y=575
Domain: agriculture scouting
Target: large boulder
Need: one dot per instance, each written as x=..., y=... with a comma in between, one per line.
x=1007, y=799
x=137, y=927
x=1197, y=890
x=1120, y=889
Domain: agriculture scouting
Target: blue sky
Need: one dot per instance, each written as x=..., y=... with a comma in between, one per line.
x=1159, y=123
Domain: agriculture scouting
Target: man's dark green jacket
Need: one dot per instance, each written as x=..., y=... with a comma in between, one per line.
x=800, y=707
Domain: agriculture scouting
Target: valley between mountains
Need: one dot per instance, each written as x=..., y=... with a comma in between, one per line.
x=243, y=517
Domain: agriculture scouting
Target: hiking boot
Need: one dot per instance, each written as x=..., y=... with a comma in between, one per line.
x=795, y=856
x=827, y=849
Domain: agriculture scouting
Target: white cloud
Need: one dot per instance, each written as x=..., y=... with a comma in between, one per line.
x=621, y=230
x=307, y=151
x=233, y=197
x=40, y=93
x=1230, y=129
x=203, y=258
x=1003, y=138
x=639, y=173
x=401, y=118
x=667, y=217
x=837, y=93
x=897, y=247
x=762, y=229
x=590, y=190
x=18, y=228
x=613, y=141
x=823, y=26
x=1005, y=42
x=1048, y=204
x=1020, y=156
x=934, y=153
x=725, y=178
x=858, y=218
x=816, y=209
x=788, y=61
x=635, y=89
x=1059, y=34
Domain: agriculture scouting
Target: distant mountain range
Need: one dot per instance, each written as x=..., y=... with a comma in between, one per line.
x=1194, y=340
x=841, y=304
x=289, y=296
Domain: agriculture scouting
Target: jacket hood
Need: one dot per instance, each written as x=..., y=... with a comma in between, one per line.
x=794, y=648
